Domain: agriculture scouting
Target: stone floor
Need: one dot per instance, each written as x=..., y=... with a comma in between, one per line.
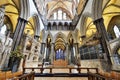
x=61, y=78
x=83, y=64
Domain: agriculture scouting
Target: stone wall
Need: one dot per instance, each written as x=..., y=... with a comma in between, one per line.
x=31, y=48
x=5, y=49
x=91, y=63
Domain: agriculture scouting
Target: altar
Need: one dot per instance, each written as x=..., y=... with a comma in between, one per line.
x=60, y=63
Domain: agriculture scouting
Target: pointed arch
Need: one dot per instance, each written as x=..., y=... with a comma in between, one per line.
x=115, y=21
x=37, y=24
x=59, y=43
x=60, y=34
x=8, y=23
x=83, y=23
x=71, y=35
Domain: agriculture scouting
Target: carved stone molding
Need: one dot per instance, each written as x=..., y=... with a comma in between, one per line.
x=2, y=12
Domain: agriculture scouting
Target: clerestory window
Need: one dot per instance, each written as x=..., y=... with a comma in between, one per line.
x=116, y=31
x=3, y=29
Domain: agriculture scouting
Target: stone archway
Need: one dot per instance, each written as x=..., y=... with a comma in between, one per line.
x=115, y=20
x=60, y=54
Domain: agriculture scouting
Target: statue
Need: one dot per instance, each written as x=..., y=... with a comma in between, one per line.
x=48, y=40
x=71, y=40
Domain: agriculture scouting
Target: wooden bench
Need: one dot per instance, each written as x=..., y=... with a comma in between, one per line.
x=29, y=76
x=111, y=74
x=93, y=76
x=9, y=74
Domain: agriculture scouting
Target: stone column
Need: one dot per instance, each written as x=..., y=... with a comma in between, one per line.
x=3, y=62
x=67, y=53
x=44, y=55
x=17, y=38
x=2, y=12
x=36, y=37
x=104, y=37
x=42, y=48
x=18, y=32
x=51, y=26
x=52, y=53
x=46, y=27
x=20, y=68
x=76, y=50
x=57, y=26
x=77, y=58
x=42, y=51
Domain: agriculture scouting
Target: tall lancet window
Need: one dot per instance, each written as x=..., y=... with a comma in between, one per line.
x=3, y=29
x=116, y=31
x=59, y=14
x=117, y=57
x=55, y=15
x=60, y=54
x=64, y=16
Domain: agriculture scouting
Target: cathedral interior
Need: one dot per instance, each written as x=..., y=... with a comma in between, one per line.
x=59, y=39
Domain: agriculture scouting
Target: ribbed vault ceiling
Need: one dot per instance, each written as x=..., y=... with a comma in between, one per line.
x=49, y=6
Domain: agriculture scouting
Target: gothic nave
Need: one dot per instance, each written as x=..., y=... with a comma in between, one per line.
x=59, y=39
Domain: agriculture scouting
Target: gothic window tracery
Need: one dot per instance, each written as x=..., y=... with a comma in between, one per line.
x=60, y=54
x=116, y=31
x=59, y=14
x=3, y=29
x=117, y=57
